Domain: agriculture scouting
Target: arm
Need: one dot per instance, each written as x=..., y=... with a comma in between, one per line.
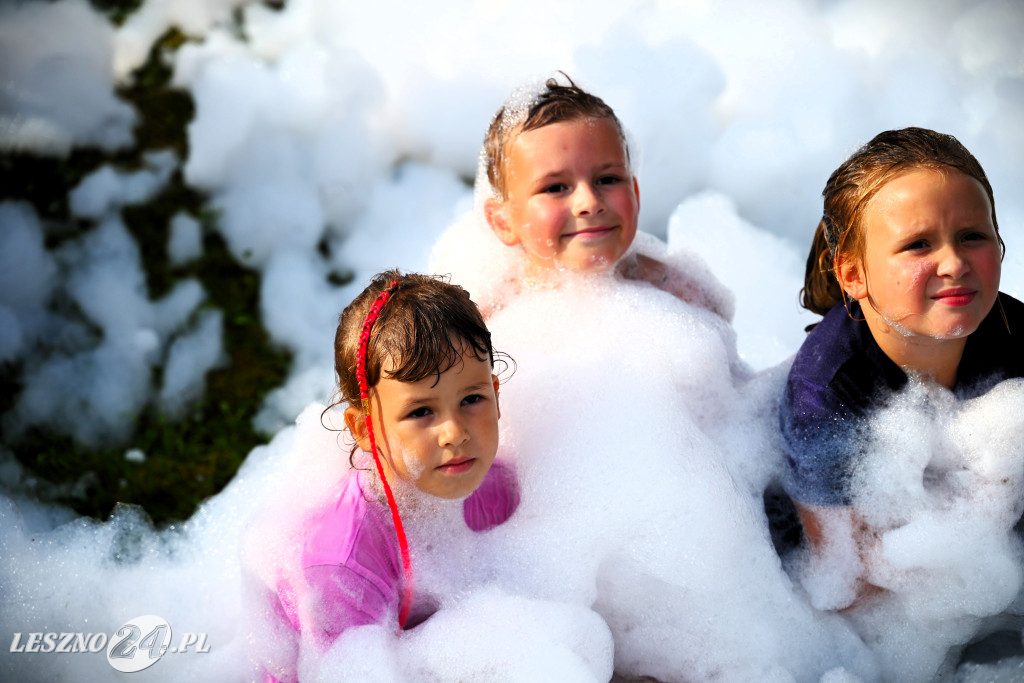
x=339, y=598
x=678, y=283
x=819, y=430
x=840, y=537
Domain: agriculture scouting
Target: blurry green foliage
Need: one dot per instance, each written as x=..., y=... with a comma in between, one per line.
x=188, y=460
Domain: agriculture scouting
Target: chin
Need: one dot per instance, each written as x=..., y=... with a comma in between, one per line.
x=956, y=331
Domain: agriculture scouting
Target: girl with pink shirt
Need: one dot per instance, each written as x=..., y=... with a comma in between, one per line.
x=414, y=363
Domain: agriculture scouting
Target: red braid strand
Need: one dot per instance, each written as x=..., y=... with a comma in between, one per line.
x=364, y=394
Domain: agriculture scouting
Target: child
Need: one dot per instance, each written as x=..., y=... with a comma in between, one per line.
x=563, y=191
x=905, y=268
x=414, y=364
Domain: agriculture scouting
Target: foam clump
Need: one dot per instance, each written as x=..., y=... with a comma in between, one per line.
x=58, y=81
x=942, y=481
x=27, y=274
x=628, y=503
x=185, y=243
x=102, y=378
x=107, y=189
x=189, y=357
x=755, y=265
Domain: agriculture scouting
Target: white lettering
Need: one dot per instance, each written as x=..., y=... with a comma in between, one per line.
x=97, y=642
x=186, y=640
x=80, y=643
x=16, y=644
x=33, y=642
x=49, y=642
x=202, y=644
x=65, y=642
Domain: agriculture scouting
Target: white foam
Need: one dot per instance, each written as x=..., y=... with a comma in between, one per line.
x=58, y=80
x=320, y=128
x=107, y=189
x=185, y=243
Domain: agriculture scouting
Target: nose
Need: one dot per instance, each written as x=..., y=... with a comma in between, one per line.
x=587, y=200
x=952, y=263
x=452, y=433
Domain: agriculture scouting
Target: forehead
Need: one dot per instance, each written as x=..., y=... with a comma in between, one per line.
x=589, y=135
x=457, y=371
x=929, y=198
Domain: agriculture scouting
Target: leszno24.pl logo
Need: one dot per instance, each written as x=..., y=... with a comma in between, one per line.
x=137, y=645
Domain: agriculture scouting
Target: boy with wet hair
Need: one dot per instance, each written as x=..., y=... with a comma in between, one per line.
x=563, y=190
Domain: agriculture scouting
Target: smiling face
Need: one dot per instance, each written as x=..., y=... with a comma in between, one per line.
x=931, y=263
x=571, y=200
x=439, y=434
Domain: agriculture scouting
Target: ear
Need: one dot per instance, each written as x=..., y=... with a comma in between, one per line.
x=850, y=274
x=356, y=421
x=494, y=380
x=636, y=191
x=495, y=212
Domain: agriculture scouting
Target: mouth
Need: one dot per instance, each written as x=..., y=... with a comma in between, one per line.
x=955, y=296
x=591, y=233
x=457, y=466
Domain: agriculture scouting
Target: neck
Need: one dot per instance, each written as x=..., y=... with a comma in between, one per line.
x=934, y=359
x=539, y=275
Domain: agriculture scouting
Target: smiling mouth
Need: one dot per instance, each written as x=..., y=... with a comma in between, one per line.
x=586, y=233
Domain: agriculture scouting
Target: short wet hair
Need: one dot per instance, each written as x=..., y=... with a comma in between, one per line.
x=523, y=112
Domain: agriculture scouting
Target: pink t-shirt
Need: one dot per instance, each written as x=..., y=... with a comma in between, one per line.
x=350, y=557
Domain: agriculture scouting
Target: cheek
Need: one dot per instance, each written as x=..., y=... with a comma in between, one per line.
x=542, y=228
x=625, y=204
x=909, y=277
x=989, y=268
x=917, y=275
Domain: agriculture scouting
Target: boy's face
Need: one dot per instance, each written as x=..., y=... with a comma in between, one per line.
x=571, y=200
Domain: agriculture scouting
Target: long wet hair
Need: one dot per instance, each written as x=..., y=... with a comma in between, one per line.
x=423, y=330
x=555, y=103
x=851, y=186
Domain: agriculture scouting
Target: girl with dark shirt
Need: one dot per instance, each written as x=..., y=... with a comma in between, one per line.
x=905, y=269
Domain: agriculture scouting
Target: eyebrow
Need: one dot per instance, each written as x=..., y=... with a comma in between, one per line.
x=557, y=173
x=415, y=402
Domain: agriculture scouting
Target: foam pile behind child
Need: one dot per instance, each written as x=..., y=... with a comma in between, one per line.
x=621, y=401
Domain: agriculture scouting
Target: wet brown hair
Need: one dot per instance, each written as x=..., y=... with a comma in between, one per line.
x=423, y=330
x=556, y=103
x=851, y=186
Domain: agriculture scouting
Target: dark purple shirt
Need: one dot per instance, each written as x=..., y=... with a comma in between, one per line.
x=840, y=375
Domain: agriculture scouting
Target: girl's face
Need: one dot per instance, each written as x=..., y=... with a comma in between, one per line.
x=439, y=434
x=931, y=260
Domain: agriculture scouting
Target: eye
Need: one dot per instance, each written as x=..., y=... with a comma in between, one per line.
x=916, y=245
x=471, y=399
x=609, y=180
x=555, y=188
x=419, y=412
x=975, y=236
